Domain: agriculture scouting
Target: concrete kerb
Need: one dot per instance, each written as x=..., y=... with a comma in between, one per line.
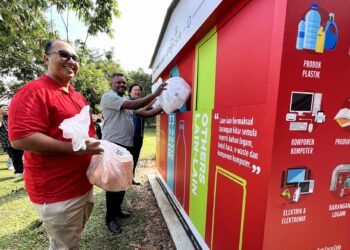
x=177, y=232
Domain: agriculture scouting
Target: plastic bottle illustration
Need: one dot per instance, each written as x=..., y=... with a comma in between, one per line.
x=180, y=164
x=331, y=31
x=312, y=25
x=301, y=34
x=320, y=40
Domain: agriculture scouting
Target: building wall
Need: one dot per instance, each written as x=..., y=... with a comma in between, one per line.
x=231, y=180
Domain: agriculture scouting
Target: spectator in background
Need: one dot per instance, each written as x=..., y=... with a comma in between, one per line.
x=55, y=175
x=118, y=128
x=135, y=92
x=97, y=120
x=14, y=154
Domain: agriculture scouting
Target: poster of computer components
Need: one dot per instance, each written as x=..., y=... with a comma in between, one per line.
x=312, y=181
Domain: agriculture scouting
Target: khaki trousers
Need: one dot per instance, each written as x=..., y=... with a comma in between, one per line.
x=64, y=221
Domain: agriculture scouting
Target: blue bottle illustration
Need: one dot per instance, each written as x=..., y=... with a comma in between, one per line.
x=301, y=34
x=331, y=31
x=312, y=25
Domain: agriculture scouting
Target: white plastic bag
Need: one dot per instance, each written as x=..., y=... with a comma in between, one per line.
x=155, y=86
x=176, y=94
x=77, y=128
x=112, y=170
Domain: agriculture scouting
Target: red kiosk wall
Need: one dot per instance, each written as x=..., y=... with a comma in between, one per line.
x=186, y=67
x=248, y=82
x=228, y=235
x=162, y=145
x=243, y=156
x=184, y=135
x=162, y=141
x=243, y=126
x=298, y=216
x=183, y=158
x=183, y=139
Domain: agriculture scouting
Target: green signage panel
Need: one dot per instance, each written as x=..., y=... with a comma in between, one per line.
x=201, y=130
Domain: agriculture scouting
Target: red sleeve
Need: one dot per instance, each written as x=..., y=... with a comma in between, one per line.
x=28, y=114
x=92, y=130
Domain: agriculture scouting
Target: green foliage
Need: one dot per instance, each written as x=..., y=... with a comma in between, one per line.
x=96, y=15
x=142, y=78
x=2, y=88
x=24, y=31
x=93, y=79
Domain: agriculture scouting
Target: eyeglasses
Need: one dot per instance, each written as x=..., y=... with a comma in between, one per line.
x=64, y=54
x=121, y=82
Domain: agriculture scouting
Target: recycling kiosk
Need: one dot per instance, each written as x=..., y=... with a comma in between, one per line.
x=259, y=157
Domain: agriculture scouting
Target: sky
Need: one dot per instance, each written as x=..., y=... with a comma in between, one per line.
x=136, y=32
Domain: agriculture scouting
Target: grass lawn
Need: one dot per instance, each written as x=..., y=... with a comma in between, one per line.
x=21, y=228
x=149, y=144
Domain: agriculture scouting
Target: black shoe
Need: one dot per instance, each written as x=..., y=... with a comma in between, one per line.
x=122, y=214
x=114, y=227
x=135, y=182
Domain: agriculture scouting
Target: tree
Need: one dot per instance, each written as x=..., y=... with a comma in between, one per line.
x=93, y=79
x=142, y=78
x=24, y=31
x=2, y=88
x=96, y=15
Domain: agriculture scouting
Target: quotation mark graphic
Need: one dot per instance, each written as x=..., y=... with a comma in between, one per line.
x=216, y=116
x=256, y=169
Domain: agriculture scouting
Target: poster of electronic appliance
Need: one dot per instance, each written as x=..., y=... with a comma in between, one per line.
x=295, y=183
x=312, y=35
x=305, y=111
x=340, y=181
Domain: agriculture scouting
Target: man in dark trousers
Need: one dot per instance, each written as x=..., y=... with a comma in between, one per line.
x=135, y=92
x=14, y=154
x=118, y=128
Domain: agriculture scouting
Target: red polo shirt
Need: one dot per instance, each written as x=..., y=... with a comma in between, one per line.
x=39, y=107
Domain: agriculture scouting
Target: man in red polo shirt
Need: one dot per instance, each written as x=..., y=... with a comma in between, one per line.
x=54, y=175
